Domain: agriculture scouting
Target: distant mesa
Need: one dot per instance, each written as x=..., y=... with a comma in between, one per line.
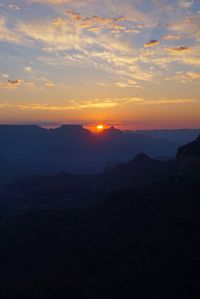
x=69, y=128
x=72, y=130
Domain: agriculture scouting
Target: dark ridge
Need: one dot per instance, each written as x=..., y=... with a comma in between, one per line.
x=112, y=131
x=70, y=127
x=191, y=149
x=141, y=157
x=73, y=149
x=140, y=241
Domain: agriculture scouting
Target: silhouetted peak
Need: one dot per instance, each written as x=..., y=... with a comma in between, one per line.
x=112, y=131
x=188, y=160
x=141, y=157
x=191, y=149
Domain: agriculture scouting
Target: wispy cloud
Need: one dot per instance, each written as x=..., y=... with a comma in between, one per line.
x=187, y=26
x=28, y=69
x=30, y=85
x=49, y=1
x=7, y=34
x=186, y=77
x=171, y=37
x=131, y=45
x=128, y=84
x=97, y=104
x=186, y=4
x=11, y=84
x=184, y=55
x=180, y=49
x=14, y=6
x=152, y=43
x=103, y=50
x=46, y=107
x=15, y=82
x=4, y=76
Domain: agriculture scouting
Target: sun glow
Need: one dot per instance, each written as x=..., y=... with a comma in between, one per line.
x=97, y=127
x=100, y=127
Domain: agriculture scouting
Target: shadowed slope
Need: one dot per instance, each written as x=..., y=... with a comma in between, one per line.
x=138, y=243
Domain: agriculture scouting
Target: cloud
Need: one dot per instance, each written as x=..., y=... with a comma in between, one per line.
x=108, y=103
x=4, y=76
x=171, y=37
x=60, y=35
x=151, y=43
x=7, y=34
x=124, y=66
x=190, y=56
x=162, y=101
x=193, y=60
x=58, y=38
x=171, y=101
x=187, y=26
x=15, y=82
x=193, y=76
x=97, y=104
x=103, y=50
x=50, y=1
x=185, y=77
x=92, y=23
x=47, y=82
x=10, y=84
x=128, y=84
x=13, y=6
x=41, y=83
x=91, y=20
x=28, y=69
x=127, y=7
x=186, y=4
x=180, y=49
x=102, y=36
x=31, y=86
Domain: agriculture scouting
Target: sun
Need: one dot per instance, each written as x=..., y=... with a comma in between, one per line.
x=100, y=127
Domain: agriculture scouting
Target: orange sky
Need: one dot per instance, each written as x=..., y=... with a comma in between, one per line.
x=135, y=65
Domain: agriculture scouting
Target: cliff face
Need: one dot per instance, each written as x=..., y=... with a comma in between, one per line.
x=188, y=160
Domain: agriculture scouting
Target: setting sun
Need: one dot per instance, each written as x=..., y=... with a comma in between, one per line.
x=100, y=127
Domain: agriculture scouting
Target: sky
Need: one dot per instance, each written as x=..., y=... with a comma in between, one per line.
x=132, y=63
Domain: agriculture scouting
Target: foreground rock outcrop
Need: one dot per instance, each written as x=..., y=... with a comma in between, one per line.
x=140, y=242
x=188, y=160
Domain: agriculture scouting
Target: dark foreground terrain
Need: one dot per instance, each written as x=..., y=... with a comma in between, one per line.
x=137, y=242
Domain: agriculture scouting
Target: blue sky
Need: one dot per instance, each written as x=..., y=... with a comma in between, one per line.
x=112, y=61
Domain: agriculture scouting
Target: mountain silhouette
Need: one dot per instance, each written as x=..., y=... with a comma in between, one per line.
x=138, y=242
x=188, y=160
x=74, y=149
x=183, y=136
x=192, y=149
x=75, y=191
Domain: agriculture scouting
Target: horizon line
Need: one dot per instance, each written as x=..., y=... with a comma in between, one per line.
x=52, y=125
